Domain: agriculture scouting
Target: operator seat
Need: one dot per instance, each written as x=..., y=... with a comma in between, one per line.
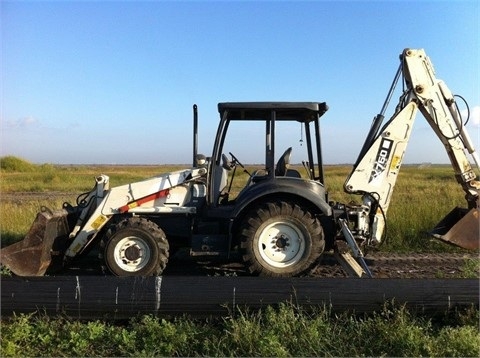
x=283, y=164
x=281, y=169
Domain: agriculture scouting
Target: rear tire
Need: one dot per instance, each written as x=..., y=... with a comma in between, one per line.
x=136, y=247
x=281, y=239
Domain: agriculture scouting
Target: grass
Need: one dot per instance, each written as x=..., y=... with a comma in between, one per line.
x=283, y=331
x=73, y=179
x=421, y=198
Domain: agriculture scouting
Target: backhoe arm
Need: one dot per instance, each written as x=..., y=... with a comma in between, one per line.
x=438, y=106
x=375, y=173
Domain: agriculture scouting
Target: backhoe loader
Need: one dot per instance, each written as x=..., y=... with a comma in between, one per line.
x=279, y=222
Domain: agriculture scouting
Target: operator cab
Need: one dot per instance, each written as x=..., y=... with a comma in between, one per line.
x=261, y=134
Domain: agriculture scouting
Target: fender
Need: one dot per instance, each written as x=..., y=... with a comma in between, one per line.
x=310, y=190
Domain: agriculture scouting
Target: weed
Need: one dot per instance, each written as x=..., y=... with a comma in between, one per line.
x=414, y=210
x=15, y=164
x=283, y=331
x=471, y=268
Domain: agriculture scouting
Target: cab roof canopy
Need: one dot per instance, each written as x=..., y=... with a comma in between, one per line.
x=284, y=111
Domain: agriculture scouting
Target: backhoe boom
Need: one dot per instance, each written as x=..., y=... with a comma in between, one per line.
x=375, y=173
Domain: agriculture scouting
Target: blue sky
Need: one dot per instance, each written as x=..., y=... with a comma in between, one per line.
x=114, y=82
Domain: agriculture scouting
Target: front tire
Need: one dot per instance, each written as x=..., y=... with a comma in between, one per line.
x=136, y=247
x=280, y=239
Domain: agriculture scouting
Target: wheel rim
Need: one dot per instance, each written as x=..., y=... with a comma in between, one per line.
x=281, y=244
x=131, y=254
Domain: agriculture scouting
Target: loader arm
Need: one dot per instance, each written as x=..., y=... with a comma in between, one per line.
x=376, y=170
x=55, y=237
x=129, y=198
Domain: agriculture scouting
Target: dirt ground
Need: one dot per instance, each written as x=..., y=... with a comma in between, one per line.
x=381, y=265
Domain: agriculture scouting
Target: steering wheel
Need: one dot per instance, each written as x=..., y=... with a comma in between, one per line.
x=236, y=161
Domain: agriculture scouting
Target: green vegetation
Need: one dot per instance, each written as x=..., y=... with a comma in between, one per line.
x=26, y=187
x=19, y=175
x=422, y=197
x=471, y=269
x=281, y=332
x=15, y=164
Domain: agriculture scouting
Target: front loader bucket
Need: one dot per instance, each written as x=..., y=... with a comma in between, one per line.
x=42, y=248
x=460, y=227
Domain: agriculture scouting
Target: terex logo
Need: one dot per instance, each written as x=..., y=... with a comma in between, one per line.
x=382, y=158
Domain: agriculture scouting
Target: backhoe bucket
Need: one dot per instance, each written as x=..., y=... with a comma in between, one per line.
x=461, y=227
x=43, y=247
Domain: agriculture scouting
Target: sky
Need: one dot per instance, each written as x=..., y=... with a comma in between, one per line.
x=113, y=82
